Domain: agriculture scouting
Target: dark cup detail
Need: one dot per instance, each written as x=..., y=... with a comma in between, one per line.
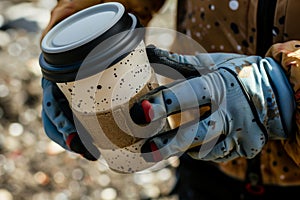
x=96, y=55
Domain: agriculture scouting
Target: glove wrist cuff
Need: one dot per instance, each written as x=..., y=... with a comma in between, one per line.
x=284, y=94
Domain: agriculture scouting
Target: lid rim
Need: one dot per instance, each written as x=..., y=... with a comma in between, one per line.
x=112, y=5
x=79, y=53
x=64, y=72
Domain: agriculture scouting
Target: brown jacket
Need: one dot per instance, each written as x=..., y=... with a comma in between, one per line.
x=240, y=26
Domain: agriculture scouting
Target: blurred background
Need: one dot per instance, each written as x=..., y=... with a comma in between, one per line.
x=32, y=167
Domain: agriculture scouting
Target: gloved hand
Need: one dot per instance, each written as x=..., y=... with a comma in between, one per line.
x=59, y=123
x=56, y=114
x=246, y=106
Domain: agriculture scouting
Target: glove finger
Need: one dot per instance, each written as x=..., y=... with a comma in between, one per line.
x=72, y=143
x=161, y=61
x=75, y=144
x=173, y=98
x=187, y=136
x=230, y=157
x=51, y=131
x=233, y=155
x=223, y=150
x=183, y=65
x=54, y=110
x=235, y=145
x=246, y=145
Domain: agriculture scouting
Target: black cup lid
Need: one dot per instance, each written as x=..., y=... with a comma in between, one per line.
x=67, y=45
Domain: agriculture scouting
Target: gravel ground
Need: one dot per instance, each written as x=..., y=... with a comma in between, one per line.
x=31, y=165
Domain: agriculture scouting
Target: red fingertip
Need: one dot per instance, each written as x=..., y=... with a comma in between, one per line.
x=155, y=152
x=70, y=138
x=148, y=111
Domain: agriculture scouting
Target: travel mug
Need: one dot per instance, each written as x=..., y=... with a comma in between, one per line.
x=98, y=59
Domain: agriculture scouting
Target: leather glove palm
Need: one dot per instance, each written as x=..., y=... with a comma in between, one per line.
x=243, y=102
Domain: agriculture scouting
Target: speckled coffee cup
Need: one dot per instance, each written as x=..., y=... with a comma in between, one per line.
x=98, y=59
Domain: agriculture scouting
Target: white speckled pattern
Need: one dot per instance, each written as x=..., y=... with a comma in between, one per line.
x=101, y=102
x=114, y=86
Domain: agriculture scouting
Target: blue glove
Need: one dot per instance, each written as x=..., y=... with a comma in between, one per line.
x=246, y=106
x=59, y=125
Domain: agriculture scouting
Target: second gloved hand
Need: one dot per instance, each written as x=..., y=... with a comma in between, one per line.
x=246, y=106
x=59, y=123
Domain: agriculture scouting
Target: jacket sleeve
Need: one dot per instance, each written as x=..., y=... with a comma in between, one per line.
x=143, y=9
x=288, y=54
